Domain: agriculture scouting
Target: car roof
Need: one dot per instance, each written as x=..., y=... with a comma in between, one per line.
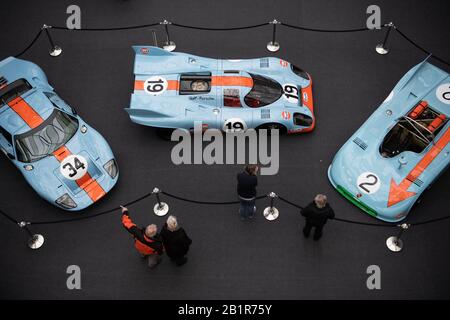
x=12, y=121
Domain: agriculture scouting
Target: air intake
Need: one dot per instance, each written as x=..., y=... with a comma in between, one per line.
x=360, y=143
x=264, y=63
x=3, y=82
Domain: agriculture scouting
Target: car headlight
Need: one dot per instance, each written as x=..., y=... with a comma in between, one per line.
x=111, y=168
x=28, y=167
x=302, y=120
x=300, y=72
x=66, y=202
x=83, y=129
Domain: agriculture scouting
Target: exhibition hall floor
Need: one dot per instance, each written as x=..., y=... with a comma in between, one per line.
x=229, y=259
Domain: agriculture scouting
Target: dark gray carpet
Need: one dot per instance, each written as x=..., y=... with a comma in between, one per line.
x=229, y=259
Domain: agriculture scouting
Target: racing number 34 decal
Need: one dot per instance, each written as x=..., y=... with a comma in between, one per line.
x=74, y=167
x=368, y=182
x=155, y=85
x=291, y=93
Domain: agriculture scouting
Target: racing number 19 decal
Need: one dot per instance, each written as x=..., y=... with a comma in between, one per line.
x=368, y=182
x=291, y=93
x=443, y=93
x=234, y=125
x=74, y=167
x=155, y=85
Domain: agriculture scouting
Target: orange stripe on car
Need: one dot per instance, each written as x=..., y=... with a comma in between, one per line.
x=171, y=85
x=237, y=81
x=26, y=112
x=93, y=189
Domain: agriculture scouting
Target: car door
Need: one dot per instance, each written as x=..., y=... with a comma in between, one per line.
x=235, y=115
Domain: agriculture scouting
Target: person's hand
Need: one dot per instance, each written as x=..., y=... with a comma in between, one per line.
x=124, y=209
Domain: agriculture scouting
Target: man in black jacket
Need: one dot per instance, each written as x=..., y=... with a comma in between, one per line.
x=176, y=241
x=316, y=215
x=246, y=189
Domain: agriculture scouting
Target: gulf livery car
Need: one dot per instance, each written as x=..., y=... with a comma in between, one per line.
x=401, y=149
x=66, y=161
x=172, y=90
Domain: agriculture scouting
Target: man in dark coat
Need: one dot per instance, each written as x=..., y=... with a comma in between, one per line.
x=316, y=215
x=246, y=189
x=176, y=241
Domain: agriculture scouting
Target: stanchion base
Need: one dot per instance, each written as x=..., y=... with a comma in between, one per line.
x=55, y=51
x=36, y=241
x=381, y=50
x=271, y=213
x=169, y=46
x=273, y=46
x=394, y=244
x=161, y=209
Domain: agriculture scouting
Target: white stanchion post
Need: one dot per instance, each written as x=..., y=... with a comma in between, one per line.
x=271, y=213
x=381, y=48
x=273, y=46
x=160, y=208
x=35, y=241
x=55, y=50
x=169, y=45
x=395, y=243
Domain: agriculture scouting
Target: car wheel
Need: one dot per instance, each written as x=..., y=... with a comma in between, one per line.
x=164, y=133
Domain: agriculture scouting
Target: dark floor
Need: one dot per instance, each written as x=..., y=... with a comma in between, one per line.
x=229, y=259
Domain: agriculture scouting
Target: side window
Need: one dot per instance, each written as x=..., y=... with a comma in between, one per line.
x=195, y=83
x=6, y=135
x=231, y=98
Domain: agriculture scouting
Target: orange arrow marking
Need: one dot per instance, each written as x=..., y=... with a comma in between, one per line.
x=398, y=193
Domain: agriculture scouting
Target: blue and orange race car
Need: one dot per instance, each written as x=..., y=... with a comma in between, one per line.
x=401, y=149
x=66, y=161
x=173, y=90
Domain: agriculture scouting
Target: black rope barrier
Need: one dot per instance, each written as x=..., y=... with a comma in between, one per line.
x=430, y=221
x=30, y=45
x=404, y=36
x=205, y=202
x=7, y=216
x=326, y=30
x=220, y=29
x=141, y=26
x=93, y=215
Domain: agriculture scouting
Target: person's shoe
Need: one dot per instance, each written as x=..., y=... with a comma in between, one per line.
x=251, y=217
x=242, y=218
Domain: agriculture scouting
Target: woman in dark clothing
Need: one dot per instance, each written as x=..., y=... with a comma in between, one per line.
x=247, y=182
x=316, y=215
x=175, y=240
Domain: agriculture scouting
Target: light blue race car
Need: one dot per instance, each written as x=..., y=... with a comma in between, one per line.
x=66, y=161
x=172, y=90
x=401, y=149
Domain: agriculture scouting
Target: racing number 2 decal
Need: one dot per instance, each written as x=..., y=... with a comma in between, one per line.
x=155, y=85
x=291, y=93
x=368, y=182
x=74, y=167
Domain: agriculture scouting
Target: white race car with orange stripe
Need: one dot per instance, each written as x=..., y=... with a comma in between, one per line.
x=66, y=161
x=401, y=149
x=173, y=90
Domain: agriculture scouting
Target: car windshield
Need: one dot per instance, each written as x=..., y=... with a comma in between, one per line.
x=265, y=91
x=13, y=90
x=413, y=132
x=47, y=138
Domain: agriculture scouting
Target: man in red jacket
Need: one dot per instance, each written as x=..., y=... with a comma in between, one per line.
x=147, y=241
